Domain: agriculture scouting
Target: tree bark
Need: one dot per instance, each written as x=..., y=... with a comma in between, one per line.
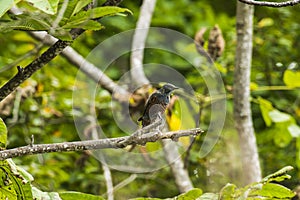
x=241, y=93
x=138, y=43
x=181, y=175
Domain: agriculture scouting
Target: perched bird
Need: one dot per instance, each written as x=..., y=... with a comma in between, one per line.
x=157, y=104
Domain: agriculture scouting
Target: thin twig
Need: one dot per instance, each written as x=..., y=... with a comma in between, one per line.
x=125, y=182
x=271, y=4
x=95, y=144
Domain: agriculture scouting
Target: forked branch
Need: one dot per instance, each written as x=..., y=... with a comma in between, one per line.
x=119, y=142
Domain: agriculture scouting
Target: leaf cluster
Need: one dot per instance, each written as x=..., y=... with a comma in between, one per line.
x=74, y=16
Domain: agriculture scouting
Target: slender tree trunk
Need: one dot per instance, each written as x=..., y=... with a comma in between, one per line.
x=181, y=175
x=241, y=92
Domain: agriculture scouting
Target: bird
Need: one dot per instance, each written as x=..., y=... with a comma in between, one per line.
x=157, y=104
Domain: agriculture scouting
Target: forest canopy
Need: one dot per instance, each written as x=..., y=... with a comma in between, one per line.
x=77, y=75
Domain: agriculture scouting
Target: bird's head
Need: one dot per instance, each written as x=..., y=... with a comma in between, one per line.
x=168, y=88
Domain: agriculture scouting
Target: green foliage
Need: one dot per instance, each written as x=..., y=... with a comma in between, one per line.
x=291, y=78
x=6, y=5
x=3, y=135
x=15, y=184
x=47, y=114
x=12, y=184
x=47, y=6
x=73, y=17
x=265, y=189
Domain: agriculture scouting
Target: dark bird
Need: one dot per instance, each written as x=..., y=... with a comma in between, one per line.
x=157, y=104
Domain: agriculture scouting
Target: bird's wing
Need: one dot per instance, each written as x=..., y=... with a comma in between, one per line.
x=152, y=100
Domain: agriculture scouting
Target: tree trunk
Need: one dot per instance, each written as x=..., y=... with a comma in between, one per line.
x=241, y=92
x=181, y=175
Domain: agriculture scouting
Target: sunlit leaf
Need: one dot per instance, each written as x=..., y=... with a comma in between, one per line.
x=265, y=107
x=174, y=122
x=265, y=22
x=253, y=86
x=3, y=134
x=227, y=191
x=291, y=78
x=47, y=6
x=209, y=196
x=5, y=5
x=192, y=194
x=278, y=116
x=274, y=191
x=38, y=194
x=294, y=129
x=96, y=13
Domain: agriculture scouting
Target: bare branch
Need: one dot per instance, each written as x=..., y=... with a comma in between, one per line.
x=26, y=72
x=271, y=4
x=96, y=144
x=138, y=43
x=86, y=67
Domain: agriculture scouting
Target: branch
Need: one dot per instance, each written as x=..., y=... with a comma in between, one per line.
x=139, y=40
x=96, y=144
x=24, y=73
x=46, y=57
x=271, y=4
x=86, y=67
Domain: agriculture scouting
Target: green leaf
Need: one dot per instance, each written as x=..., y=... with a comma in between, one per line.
x=96, y=13
x=6, y=5
x=294, y=130
x=265, y=22
x=278, y=176
x=13, y=184
x=291, y=78
x=273, y=191
x=208, y=196
x=81, y=4
x=265, y=107
x=3, y=135
x=26, y=22
x=87, y=25
x=38, y=194
x=192, y=194
x=105, y=11
x=228, y=191
x=78, y=195
x=282, y=136
x=278, y=116
x=47, y=6
x=63, y=34
x=69, y=12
